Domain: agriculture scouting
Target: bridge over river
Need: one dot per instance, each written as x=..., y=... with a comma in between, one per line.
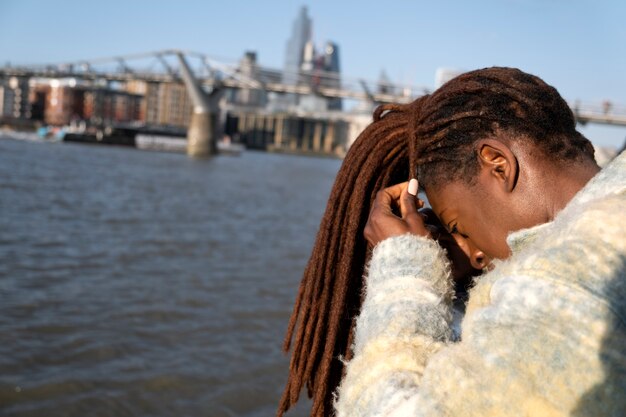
x=206, y=79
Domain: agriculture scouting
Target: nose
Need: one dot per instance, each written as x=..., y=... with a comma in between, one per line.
x=477, y=258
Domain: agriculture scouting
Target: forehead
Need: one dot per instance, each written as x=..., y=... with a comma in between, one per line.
x=451, y=199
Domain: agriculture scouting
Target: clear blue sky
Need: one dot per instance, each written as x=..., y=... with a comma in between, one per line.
x=579, y=46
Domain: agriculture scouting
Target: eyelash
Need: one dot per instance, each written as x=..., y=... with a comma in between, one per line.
x=454, y=230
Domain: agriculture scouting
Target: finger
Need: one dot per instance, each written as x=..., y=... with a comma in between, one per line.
x=412, y=217
x=408, y=204
x=388, y=198
x=413, y=188
x=395, y=191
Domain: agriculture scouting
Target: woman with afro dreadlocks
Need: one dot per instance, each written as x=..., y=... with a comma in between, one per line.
x=498, y=156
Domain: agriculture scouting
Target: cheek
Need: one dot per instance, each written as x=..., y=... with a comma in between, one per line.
x=496, y=246
x=489, y=236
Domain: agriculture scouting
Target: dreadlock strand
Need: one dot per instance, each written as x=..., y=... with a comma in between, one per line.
x=363, y=192
x=296, y=370
x=411, y=136
x=339, y=299
x=309, y=313
x=327, y=264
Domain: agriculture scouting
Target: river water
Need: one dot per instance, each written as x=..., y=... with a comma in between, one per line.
x=138, y=283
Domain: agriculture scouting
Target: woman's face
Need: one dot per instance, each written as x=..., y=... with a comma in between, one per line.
x=462, y=269
x=479, y=220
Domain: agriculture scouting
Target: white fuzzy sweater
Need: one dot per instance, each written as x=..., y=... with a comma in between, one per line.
x=544, y=333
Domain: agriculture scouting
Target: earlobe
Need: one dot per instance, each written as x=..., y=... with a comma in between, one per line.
x=497, y=159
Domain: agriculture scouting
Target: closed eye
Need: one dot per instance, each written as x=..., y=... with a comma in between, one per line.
x=454, y=230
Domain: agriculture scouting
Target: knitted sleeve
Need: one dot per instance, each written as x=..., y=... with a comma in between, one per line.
x=544, y=332
x=405, y=318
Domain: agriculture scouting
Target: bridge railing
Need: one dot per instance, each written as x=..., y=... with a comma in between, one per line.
x=600, y=108
x=603, y=112
x=163, y=66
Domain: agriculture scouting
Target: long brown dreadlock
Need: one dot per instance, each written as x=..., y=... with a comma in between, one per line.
x=435, y=133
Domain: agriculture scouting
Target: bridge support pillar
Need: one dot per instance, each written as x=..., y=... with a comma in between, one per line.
x=329, y=137
x=317, y=136
x=200, y=135
x=278, y=135
x=202, y=130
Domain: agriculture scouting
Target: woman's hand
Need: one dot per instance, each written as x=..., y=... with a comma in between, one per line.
x=384, y=223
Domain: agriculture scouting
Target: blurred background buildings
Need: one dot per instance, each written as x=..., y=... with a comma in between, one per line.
x=252, y=115
x=307, y=106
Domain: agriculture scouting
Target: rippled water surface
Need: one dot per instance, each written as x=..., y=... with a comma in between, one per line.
x=149, y=284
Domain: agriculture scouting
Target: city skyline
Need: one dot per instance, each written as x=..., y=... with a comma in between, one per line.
x=574, y=46
x=303, y=60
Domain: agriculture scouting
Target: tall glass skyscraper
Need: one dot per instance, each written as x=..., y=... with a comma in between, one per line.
x=304, y=66
x=300, y=35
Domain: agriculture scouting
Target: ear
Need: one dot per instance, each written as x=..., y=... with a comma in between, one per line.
x=498, y=162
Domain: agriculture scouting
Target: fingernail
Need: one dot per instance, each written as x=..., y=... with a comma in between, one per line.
x=413, y=186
